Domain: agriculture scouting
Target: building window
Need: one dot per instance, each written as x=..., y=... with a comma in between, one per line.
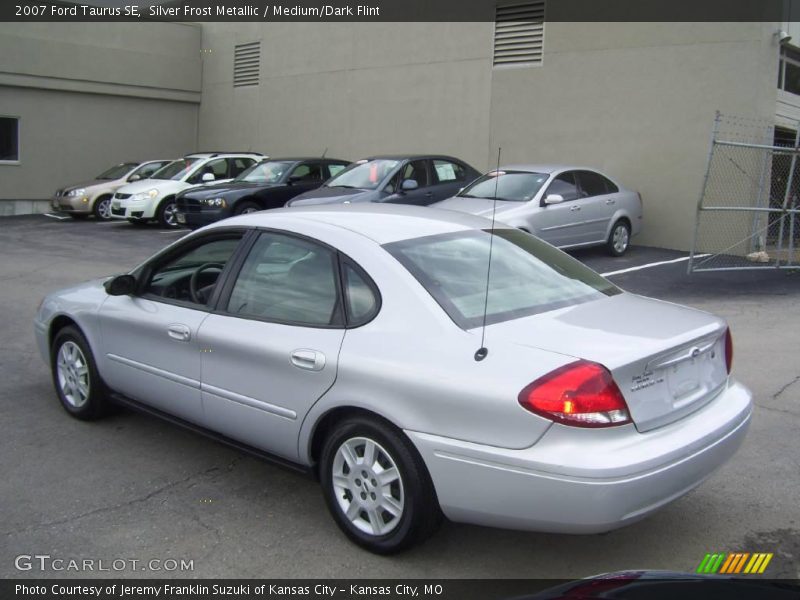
x=789, y=71
x=9, y=139
x=518, y=34
x=246, y=64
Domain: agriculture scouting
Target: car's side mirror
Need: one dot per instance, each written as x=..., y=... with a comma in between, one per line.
x=207, y=177
x=409, y=185
x=121, y=285
x=134, y=177
x=553, y=199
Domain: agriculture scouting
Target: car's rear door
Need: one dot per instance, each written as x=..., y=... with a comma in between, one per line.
x=448, y=178
x=152, y=351
x=271, y=348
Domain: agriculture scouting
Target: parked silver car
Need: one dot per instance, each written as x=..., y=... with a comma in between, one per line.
x=348, y=341
x=93, y=197
x=568, y=206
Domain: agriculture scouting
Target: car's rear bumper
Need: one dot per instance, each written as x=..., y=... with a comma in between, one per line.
x=577, y=480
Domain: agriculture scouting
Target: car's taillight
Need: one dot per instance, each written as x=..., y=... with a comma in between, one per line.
x=581, y=393
x=728, y=350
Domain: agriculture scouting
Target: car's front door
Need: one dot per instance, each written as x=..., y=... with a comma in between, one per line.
x=152, y=352
x=598, y=205
x=271, y=347
x=561, y=224
x=415, y=170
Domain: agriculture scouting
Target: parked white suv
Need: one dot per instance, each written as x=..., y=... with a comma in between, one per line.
x=154, y=198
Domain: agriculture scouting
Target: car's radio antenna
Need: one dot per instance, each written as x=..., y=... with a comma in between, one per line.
x=483, y=351
x=324, y=152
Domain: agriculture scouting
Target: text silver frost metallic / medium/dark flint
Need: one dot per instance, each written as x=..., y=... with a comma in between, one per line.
x=343, y=340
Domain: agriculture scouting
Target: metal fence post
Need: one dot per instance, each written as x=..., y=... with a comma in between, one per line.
x=714, y=131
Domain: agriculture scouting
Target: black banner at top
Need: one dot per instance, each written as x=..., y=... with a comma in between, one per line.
x=395, y=10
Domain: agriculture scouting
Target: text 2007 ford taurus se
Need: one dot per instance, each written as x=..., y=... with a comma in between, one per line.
x=347, y=340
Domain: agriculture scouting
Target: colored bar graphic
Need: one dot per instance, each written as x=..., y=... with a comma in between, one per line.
x=734, y=563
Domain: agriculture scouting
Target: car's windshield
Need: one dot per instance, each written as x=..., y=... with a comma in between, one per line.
x=265, y=172
x=117, y=171
x=513, y=186
x=365, y=175
x=177, y=169
x=527, y=276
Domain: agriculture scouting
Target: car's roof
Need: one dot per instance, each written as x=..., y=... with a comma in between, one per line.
x=545, y=168
x=303, y=158
x=223, y=154
x=382, y=223
x=410, y=157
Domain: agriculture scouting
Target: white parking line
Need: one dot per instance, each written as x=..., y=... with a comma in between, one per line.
x=174, y=231
x=59, y=217
x=655, y=264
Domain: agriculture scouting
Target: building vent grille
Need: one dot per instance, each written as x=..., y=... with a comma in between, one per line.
x=519, y=33
x=246, y=64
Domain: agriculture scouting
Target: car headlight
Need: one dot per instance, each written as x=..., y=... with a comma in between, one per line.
x=215, y=202
x=78, y=192
x=149, y=194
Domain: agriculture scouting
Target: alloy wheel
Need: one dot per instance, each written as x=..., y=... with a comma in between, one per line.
x=368, y=486
x=73, y=374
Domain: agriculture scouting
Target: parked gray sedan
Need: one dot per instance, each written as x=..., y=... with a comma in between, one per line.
x=568, y=206
x=358, y=343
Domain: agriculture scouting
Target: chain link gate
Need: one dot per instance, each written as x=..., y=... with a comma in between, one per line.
x=748, y=216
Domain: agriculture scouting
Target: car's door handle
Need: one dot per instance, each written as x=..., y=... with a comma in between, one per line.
x=310, y=360
x=611, y=201
x=574, y=208
x=179, y=332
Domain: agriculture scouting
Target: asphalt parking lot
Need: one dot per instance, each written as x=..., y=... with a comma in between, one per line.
x=132, y=487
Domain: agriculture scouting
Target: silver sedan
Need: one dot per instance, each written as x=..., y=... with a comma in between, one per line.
x=568, y=206
x=363, y=344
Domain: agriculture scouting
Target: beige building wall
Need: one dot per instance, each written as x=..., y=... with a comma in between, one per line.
x=635, y=99
x=355, y=88
x=90, y=95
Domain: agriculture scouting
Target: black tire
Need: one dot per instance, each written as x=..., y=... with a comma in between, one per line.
x=91, y=405
x=246, y=207
x=619, y=239
x=102, y=208
x=166, y=213
x=419, y=515
x=79, y=216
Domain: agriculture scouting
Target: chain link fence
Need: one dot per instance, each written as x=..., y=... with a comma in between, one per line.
x=748, y=216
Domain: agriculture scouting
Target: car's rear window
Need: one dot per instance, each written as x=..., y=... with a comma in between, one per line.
x=527, y=275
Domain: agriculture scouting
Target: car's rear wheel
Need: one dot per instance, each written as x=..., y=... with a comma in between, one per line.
x=377, y=487
x=102, y=208
x=619, y=239
x=78, y=385
x=245, y=208
x=167, y=213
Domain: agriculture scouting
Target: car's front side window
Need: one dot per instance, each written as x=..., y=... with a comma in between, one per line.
x=288, y=280
x=191, y=276
x=218, y=168
x=564, y=185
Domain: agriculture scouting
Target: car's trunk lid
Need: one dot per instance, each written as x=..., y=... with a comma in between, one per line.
x=667, y=360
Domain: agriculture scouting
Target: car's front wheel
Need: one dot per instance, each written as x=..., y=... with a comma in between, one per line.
x=78, y=385
x=102, y=208
x=376, y=486
x=619, y=239
x=245, y=208
x=167, y=214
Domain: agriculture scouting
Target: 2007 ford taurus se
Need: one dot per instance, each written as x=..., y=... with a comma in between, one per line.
x=349, y=341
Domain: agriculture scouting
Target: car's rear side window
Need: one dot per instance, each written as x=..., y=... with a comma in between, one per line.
x=527, y=275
